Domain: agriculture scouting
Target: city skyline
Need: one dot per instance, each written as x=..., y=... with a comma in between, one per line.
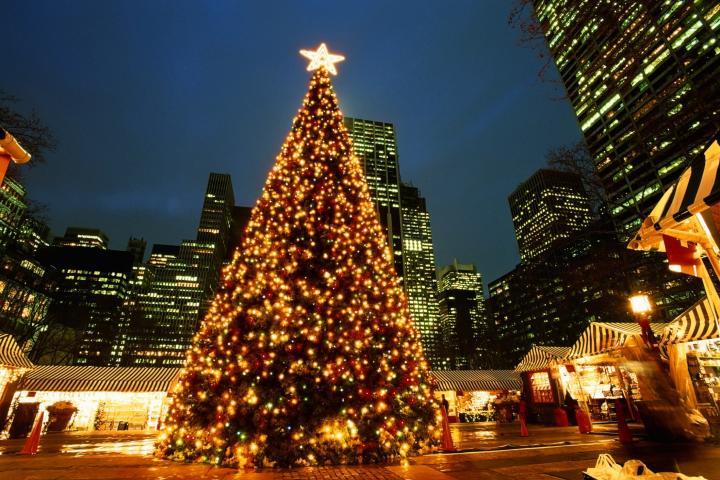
x=224, y=104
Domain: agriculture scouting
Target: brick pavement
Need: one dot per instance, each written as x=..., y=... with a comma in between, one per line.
x=502, y=455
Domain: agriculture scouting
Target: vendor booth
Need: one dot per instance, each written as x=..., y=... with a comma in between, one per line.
x=13, y=363
x=691, y=344
x=478, y=395
x=539, y=371
x=596, y=372
x=92, y=398
x=685, y=225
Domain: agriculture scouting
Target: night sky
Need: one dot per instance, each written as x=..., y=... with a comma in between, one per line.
x=146, y=98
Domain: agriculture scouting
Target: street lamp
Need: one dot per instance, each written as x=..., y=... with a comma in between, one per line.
x=10, y=149
x=641, y=308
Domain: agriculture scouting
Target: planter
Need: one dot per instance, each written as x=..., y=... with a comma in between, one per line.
x=60, y=414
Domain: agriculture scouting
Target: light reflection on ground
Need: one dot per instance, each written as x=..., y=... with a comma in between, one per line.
x=143, y=446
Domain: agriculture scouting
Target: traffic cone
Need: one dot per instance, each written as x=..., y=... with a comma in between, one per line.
x=623, y=430
x=523, y=426
x=447, y=443
x=33, y=441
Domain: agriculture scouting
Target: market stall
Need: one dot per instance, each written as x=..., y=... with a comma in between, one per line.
x=92, y=398
x=685, y=222
x=596, y=372
x=478, y=395
x=13, y=363
x=691, y=343
x=539, y=371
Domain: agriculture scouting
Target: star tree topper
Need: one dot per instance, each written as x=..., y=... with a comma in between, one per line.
x=322, y=58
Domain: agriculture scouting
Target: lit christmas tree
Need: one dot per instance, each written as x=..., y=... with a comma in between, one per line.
x=308, y=354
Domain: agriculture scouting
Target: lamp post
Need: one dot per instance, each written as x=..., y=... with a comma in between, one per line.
x=641, y=308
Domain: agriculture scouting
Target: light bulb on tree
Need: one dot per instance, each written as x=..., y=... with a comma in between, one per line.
x=291, y=365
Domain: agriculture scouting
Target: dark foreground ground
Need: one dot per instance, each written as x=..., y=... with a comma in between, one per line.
x=487, y=451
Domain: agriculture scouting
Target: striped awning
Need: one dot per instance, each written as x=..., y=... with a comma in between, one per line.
x=11, y=355
x=540, y=356
x=60, y=378
x=601, y=337
x=476, y=380
x=697, y=189
x=696, y=323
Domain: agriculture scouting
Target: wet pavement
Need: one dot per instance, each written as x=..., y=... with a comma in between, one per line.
x=487, y=451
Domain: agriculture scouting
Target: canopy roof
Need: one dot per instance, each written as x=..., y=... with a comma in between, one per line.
x=602, y=337
x=540, y=356
x=61, y=378
x=696, y=323
x=697, y=189
x=476, y=380
x=11, y=355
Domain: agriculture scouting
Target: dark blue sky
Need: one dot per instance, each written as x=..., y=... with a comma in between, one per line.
x=147, y=98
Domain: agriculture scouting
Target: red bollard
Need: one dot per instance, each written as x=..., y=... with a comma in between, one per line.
x=447, y=443
x=561, y=418
x=623, y=430
x=583, y=420
x=523, y=426
x=33, y=440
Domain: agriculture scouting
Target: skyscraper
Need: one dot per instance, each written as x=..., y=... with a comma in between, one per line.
x=642, y=78
x=375, y=144
x=419, y=265
x=462, y=316
x=93, y=286
x=183, y=281
x=207, y=254
x=26, y=287
x=547, y=209
x=83, y=237
x=551, y=300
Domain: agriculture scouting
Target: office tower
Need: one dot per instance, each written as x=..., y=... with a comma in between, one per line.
x=12, y=210
x=551, y=300
x=463, y=325
x=547, y=209
x=183, y=280
x=419, y=265
x=374, y=143
x=83, y=237
x=206, y=255
x=26, y=287
x=137, y=247
x=642, y=78
x=93, y=286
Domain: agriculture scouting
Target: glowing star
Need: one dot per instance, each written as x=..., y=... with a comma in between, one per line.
x=322, y=58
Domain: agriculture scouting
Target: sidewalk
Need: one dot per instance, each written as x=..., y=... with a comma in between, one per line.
x=492, y=436
x=488, y=452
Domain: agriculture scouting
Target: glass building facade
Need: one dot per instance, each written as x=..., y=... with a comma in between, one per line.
x=547, y=209
x=420, y=282
x=642, y=78
x=463, y=324
x=376, y=146
x=181, y=283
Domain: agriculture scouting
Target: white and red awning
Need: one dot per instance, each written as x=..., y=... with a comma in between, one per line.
x=11, y=355
x=476, y=380
x=697, y=189
x=541, y=357
x=696, y=323
x=601, y=337
x=61, y=378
